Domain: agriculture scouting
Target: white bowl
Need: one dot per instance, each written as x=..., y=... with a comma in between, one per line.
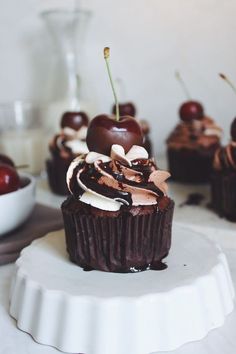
x=16, y=207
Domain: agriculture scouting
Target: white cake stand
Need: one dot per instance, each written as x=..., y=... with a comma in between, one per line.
x=95, y=312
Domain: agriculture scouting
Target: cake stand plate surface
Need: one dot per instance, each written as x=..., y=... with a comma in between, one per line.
x=95, y=312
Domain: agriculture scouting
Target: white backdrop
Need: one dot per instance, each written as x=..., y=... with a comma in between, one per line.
x=149, y=40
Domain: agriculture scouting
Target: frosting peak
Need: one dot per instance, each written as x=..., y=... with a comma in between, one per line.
x=108, y=182
x=204, y=132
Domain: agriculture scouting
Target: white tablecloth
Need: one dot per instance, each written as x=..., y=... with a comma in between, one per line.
x=199, y=218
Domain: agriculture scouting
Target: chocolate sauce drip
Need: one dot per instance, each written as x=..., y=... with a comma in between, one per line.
x=193, y=199
x=146, y=167
x=157, y=266
x=90, y=178
x=118, y=176
x=143, y=183
x=117, y=180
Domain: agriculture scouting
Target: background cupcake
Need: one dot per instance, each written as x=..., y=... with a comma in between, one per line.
x=64, y=147
x=192, y=145
x=223, y=180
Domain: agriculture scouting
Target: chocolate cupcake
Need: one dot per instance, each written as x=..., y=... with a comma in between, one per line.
x=129, y=109
x=118, y=217
x=192, y=145
x=64, y=147
x=223, y=179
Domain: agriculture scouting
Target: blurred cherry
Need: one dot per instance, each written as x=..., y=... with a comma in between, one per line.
x=9, y=179
x=191, y=110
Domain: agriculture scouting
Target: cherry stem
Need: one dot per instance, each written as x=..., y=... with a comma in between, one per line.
x=183, y=85
x=106, y=57
x=228, y=82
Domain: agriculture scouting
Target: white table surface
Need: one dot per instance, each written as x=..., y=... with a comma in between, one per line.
x=199, y=218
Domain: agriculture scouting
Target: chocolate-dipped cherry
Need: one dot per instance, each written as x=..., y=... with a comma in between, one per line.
x=190, y=109
x=74, y=120
x=103, y=131
x=6, y=160
x=126, y=109
x=9, y=179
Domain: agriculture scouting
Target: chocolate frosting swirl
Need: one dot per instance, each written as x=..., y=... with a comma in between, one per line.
x=225, y=157
x=204, y=132
x=108, y=182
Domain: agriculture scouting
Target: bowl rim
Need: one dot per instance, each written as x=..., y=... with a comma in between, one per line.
x=21, y=190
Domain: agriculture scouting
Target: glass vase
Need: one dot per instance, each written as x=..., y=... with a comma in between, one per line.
x=67, y=29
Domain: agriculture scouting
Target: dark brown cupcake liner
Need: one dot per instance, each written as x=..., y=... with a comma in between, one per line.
x=223, y=194
x=191, y=166
x=125, y=243
x=56, y=172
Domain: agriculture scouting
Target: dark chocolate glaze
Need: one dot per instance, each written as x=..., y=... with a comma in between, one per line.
x=153, y=266
x=90, y=177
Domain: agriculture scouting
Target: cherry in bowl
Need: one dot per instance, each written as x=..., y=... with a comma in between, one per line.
x=17, y=206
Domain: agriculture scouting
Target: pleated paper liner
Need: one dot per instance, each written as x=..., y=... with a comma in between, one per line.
x=191, y=165
x=125, y=243
x=223, y=194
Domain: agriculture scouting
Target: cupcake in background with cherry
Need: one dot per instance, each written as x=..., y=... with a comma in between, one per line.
x=118, y=217
x=129, y=108
x=223, y=179
x=192, y=144
x=64, y=147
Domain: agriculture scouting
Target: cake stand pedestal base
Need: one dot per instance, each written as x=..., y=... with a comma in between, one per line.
x=95, y=312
